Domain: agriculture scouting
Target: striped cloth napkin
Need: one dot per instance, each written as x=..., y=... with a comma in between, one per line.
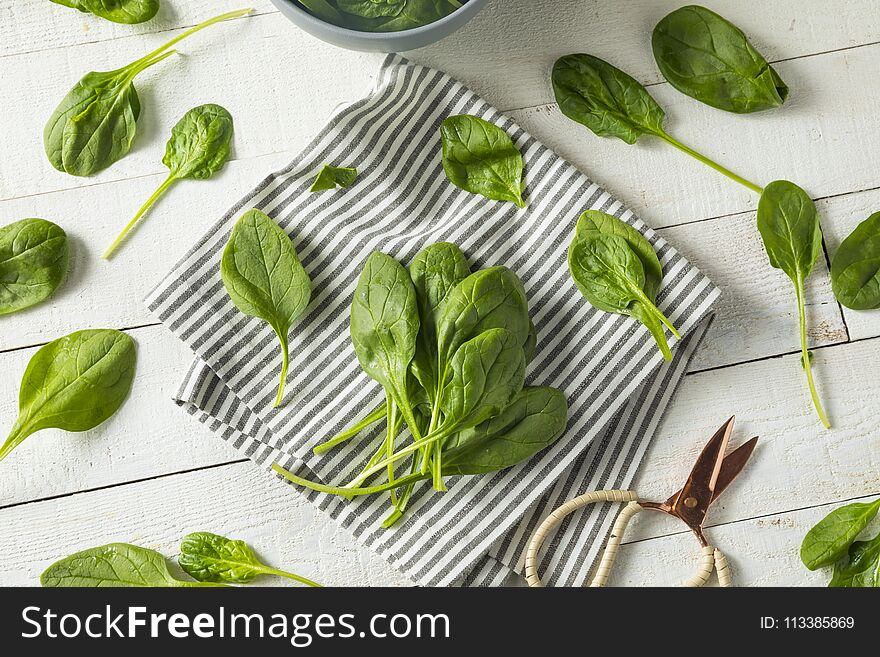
x=608, y=365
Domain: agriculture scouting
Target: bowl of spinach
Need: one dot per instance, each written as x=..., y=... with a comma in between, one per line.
x=380, y=25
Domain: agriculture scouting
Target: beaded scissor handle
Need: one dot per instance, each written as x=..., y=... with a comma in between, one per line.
x=710, y=559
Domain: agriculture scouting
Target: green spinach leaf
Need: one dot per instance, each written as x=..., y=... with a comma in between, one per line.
x=117, y=565
x=265, y=279
x=372, y=8
x=595, y=221
x=480, y=157
x=331, y=177
x=829, y=540
x=860, y=568
x=208, y=557
x=611, y=276
x=609, y=102
x=95, y=125
x=708, y=58
x=128, y=12
x=74, y=383
x=855, y=268
x=198, y=148
x=531, y=422
x=384, y=329
x=381, y=15
x=789, y=225
x=33, y=263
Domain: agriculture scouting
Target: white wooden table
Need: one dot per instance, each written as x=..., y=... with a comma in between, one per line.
x=152, y=473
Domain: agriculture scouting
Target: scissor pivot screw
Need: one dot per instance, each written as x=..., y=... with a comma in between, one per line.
x=690, y=502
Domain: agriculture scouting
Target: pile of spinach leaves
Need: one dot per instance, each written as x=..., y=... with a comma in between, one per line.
x=832, y=542
x=210, y=559
x=381, y=15
x=450, y=349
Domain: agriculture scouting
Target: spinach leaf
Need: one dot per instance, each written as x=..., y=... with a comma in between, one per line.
x=531, y=422
x=789, y=225
x=480, y=157
x=33, y=263
x=372, y=8
x=829, y=540
x=595, y=221
x=612, y=104
x=489, y=298
x=198, y=148
x=708, y=58
x=457, y=343
x=117, y=565
x=416, y=13
x=95, y=125
x=385, y=327
x=855, y=268
x=860, y=568
x=324, y=10
x=208, y=557
x=331, y=177
x=74, y=383
x=611, y=276
x=381, y=15
x=435, y=272
x=265, y=279
x=129, y=12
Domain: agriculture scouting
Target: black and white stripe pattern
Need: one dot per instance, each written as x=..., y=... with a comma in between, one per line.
x=608, y=365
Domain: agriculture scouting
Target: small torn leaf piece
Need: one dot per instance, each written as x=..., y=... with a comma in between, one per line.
x=331, y=177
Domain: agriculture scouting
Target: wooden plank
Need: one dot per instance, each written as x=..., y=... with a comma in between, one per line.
x=797, y=463
x=796, y=458
x=239, y=501
x=810, y=140
x=756, y=316
x=806, y=140
x=148, y=437
x=110, y=294
x=44, y=26
x=514, y=41
x=289, y=532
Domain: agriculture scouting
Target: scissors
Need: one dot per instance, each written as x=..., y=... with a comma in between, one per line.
x=710, y=476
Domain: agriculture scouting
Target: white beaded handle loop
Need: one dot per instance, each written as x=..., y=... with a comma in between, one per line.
x=710, y=557
x=551, y=521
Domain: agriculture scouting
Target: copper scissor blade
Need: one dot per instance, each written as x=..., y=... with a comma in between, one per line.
x=732, y=465
x=693, y=500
